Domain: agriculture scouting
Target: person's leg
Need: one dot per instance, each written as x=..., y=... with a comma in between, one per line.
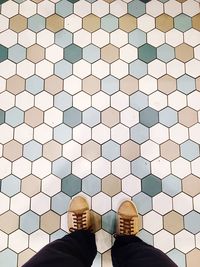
x=76, y=249
x=129, y=250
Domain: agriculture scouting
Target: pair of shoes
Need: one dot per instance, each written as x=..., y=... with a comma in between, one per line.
x=79, y=217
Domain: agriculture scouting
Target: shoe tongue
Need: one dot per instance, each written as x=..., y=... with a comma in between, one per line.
x=126, y=216
x=78, y=211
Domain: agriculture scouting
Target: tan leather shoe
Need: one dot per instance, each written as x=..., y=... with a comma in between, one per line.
x=79, y=216
x=127, y=219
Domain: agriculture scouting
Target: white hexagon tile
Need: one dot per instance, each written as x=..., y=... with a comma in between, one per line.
x=99, y=98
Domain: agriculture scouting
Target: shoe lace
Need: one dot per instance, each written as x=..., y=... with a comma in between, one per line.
x=126, y=226
x=79, y=222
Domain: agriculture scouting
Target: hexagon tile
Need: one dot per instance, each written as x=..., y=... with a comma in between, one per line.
x=99, y=98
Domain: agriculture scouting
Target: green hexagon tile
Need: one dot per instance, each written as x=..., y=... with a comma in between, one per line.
x=99, y=98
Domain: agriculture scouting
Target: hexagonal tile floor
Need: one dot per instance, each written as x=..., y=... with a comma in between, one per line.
x=99, y=98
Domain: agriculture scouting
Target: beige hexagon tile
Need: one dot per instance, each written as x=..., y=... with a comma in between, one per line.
x=193, y=257
x=188, y=116
x=18, y=23
x=15, y=84
x=34, y=117
x=54, y=23
x=91, y=23
x=52, y=150
x=31, y=185
x=130, y=150
x=35, y=53
x=173, y=222
x=52, y=217
x=191, y=185
x=111, y=185
x=110, y=117
x=127, y=23
x=129, y=85
x=91, y=150
x=9, y=222
x=195, y=22
x=24, y=256
x=110, y=53
x=184, y=52
x=12, y=150
x=170, y=150
x=53, y=85
x=164, y=23
x=91, y=85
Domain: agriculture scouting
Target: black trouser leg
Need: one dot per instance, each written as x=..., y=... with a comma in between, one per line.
x=131, y=251
x=77, y=249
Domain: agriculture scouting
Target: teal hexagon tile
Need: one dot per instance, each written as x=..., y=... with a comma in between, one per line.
x=91, y=185
x=139, y=133
x=91, y=53
x=3, y=1
x=73, y=1
x=191, y=222
x=189, y=150
x=63, y=69
x=63, y=38
x=109, y=23
x=165, y=53
x=110, y=85
x=137, y=38
x=3, y=53
x=91, y=117
x=143, y=203
x=151, y=185
x=32, y=150
x=109, y=222
x=29, y=222
x=2, y=116
x=136, y=8
x=19, y=1
x=36, y=23
x=60, y=202
x=111, y=150
x=73, y=53
x=171, y=185
x=10, y=185
x=147, y=53
x=145, y=1
x=140, y=167
x=34, y=84
x=64, y=8
x=146, y=237
x=57, y=235
x=183, y=22
x=14, y=117
x=138, y=68
x=63, y=101
x=149, y=117
x=177, y=256
x=17, y=53
x=8, y=258
x=72, y=117
x=71, y=185
x=61, y=167
x=186, y=84
x=139, y=101
x=168, y=117
x=62, y=133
